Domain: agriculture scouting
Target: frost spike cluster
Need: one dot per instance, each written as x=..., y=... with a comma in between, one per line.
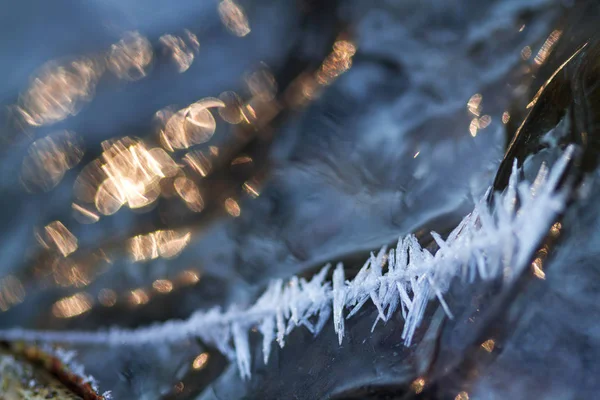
x=487, y=243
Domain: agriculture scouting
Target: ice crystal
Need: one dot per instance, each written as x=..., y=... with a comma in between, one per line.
x=489, y=243
x=67, y=357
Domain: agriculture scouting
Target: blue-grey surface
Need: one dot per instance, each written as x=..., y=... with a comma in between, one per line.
x=385, y=150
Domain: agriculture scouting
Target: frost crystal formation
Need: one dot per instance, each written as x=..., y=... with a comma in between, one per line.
x=488, y=243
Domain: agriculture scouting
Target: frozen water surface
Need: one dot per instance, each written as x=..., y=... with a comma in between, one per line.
x=351, y=124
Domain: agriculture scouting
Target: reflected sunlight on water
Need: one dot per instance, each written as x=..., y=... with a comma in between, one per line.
x=166, y=244
x=233, y=17
x=49, y=158
x=130, y=58
x=59, y=90
x=72, y=306
x=181, y=51
x=61, y=238
x=189, y=126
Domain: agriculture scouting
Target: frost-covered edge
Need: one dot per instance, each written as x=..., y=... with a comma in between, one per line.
x=9, y=364
x=488, y=243
x=67, y=357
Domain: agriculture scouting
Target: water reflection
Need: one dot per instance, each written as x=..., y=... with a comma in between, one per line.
x=61, y=238
x=546, y=48
x=130, y=58
x=199, y=162
x=338, y=62
x=49, y=158
x=138, y=297
x=189, y=126
x=72, y=306
x=462, y=396
x=84, y=215
x=165, y=244
x=232, y=207
x=181, y=51
x=418, y=385
x=126, y=173
x=200, y=361
x=189, y=192
x=68, y=273
x=233, y=17
x=474, y=104
x=232, y=111
x=188, y=277
x=59, y=90
x=107, y=297
x=11, y=292
x=252, y=187
x=488, y=345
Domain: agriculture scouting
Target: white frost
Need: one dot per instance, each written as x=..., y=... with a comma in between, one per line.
x=488, y=243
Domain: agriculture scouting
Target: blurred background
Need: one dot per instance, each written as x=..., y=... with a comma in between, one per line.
x=162, y=157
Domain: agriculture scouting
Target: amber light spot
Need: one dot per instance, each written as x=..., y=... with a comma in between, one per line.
x=162, y=285
x=338, y=62
x=143, y=247
x=84, y=215
x=171, y=243
x=107, y=297
x=474, y=104
x=199, y=162
x=479, y=123
x=181, y=51
x=138, y=297
x=417, y=385
x=462, y=396
x=108, y=198
x=200, y=362
x=488, y=345
x=11, y=292
x=67, y=272
x=241, y=160
x=249, y=113
x=232, y=207
x=49, y=158
x=130, y=58
x=129, y=174
x=232, y=112
x=72, y=306
x=233, y=17
x=546, y=48
x=505, y=117
x=555, y=229
x=188, y=277
x=189, y=192
x=189, y=126
x=252, y=188
x=166, y=244
x=59, y=90
x=536, y=268
x=63, y=240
